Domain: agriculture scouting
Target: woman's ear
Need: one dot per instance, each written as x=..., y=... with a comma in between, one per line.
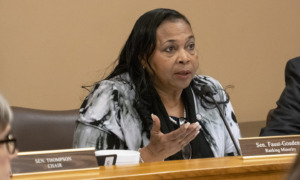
x=146, y=65
x=143, y=62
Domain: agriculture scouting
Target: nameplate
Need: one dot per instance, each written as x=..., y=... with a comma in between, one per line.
x=270, y=146
x=56, y=160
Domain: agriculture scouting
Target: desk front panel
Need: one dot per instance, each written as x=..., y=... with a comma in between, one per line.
x=210, y=168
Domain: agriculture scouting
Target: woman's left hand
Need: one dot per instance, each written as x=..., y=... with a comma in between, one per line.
x=162, y=145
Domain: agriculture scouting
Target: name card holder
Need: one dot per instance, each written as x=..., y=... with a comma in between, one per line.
x=54, y=160
x=270, y=146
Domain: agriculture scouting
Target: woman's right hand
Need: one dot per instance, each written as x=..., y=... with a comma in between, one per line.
x=161, y=146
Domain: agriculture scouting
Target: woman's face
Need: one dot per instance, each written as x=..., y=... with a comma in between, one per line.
x=5, y=157
x=174, y=59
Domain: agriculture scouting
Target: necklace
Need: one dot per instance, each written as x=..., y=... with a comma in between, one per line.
x=179, y=121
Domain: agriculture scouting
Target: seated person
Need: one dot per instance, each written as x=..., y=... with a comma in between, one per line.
x=285, y=119
x=7, y=143
x=152, y=101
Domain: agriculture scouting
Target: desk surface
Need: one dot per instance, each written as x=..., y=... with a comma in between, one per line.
x=210, y=168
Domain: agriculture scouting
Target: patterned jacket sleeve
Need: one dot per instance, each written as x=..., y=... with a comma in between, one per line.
x=108, y=119
x=99, y=120
x=217, y=134
x=233, y=125
x=230, y=118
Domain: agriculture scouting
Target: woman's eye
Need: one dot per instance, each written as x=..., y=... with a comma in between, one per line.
x=191, y=46
x=170, y=49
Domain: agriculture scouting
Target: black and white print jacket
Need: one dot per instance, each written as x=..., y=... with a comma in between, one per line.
x=108, y=119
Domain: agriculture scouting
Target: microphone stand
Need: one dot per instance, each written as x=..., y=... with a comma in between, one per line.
x=226, y=124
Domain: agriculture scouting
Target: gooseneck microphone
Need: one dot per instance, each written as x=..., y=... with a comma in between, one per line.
x=207, y=91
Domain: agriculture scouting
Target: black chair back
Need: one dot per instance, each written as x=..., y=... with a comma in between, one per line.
x=37, y=130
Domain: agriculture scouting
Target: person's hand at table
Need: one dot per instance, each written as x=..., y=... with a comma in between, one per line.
x=161, y=146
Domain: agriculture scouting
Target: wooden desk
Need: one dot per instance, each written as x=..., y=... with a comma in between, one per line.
x=210, y=168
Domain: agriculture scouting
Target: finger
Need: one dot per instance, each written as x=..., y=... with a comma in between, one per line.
x=190, y=136
x=185, y=130
x=194, y=126
x=178, y=134
x=193, y=129
x=156, y=124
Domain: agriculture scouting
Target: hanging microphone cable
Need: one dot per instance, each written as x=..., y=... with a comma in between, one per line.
x=207, y=91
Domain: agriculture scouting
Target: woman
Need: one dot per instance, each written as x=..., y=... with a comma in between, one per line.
x=151, y=92
x=7, y=143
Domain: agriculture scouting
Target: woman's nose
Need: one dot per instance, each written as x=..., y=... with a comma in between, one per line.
x=183, y=57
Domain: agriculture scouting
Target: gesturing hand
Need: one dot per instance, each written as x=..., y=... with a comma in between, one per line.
x=162, y=145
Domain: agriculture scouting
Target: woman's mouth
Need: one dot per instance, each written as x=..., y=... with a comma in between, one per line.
x=183, y=74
